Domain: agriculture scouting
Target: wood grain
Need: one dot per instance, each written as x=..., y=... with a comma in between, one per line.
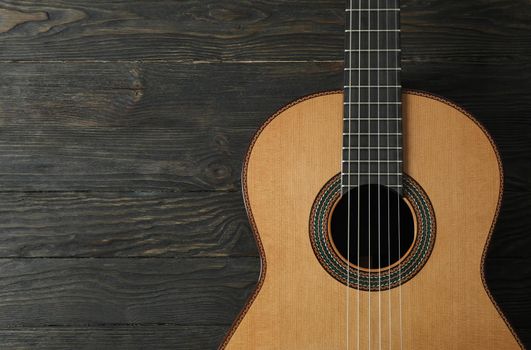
x=63, y=130
x=505, y=273
x=83, y=292
x=512, y=239
x=134, y=337
x=134, y=224
x=480, y=31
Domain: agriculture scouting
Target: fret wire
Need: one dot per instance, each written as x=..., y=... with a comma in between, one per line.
x=371, y=30
x=372, y=86
x=376, y=161
x=372, y=174
x=374, y=68
x=373, y=50
x=373, y=147
x=372, y=103
x=387, y=185
x=370, y=10
x=372, y=133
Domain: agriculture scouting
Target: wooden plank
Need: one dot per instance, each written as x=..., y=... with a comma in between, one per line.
x=135, y=224
x=159, y=126
x=42, y=292
x=480, y=31
x=140, y=96
x=511, y=237
x=165, y=29
x=135, y=337
x=525, y=335
x=510, y=283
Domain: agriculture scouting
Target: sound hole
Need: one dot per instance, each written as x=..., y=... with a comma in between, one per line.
x=382, y=215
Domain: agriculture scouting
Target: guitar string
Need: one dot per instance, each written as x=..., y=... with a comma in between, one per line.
x=378, y=176
x=359, y=173
x=387, y=27
x=369, y=162
x=398, y=98
x=348, y=181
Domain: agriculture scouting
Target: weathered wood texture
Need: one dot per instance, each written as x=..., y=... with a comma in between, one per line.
x=131, y=224
x=484, y=31
x=122, y=130
x=43, y=292
x=133, y=337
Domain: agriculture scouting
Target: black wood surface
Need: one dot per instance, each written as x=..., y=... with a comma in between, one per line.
x=123, y=126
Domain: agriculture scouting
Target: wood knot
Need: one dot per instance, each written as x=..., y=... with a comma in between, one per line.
x=137, y=95
x=217, y=172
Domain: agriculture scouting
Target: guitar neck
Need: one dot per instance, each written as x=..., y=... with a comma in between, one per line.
x=372, y=141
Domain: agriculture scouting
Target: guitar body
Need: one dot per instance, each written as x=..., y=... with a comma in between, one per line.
x=299, y=305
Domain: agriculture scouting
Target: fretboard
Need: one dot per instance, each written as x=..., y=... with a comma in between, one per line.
x=372, y=141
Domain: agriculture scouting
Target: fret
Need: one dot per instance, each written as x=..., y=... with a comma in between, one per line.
x=394, y=178
x=373, y=20
x=387, y=41
x=374, y=68
x=352, y=87
x=372, y=50
x=373, y=111
x=371, y=30
x=373, y=9
x=373, y=3
x=372, y=141
x=372, y=78
x=373, y=154
x=375, y=174
x=388, y=185
x=372, y=169
x=372, y=134
x=373, y=59
x=372, y=103
x=372, y=127
x=382, y=153
x=382, y=160
x=372, y=147
x=373, y=161
x=353, y=121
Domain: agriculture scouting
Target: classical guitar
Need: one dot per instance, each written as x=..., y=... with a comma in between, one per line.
x=372, y=210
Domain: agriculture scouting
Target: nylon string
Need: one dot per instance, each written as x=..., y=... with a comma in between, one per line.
x=378, y=173
x=388, y=173
x=387, y=67
x=369, y=162
x=348, y=181
x=398, y=98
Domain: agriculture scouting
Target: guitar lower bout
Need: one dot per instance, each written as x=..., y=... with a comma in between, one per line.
x=302, y=300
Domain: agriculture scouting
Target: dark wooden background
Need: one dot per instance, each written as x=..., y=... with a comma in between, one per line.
x=122, y=130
